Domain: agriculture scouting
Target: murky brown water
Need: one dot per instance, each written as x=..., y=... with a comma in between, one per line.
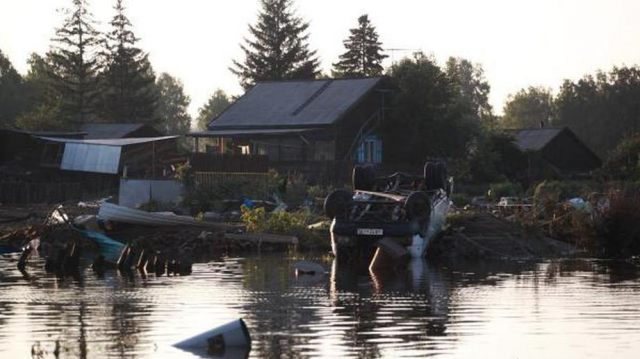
x=564, y=309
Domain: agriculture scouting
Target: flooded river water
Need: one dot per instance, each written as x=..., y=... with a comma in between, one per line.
x=557, y=309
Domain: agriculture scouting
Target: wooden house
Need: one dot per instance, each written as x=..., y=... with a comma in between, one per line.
x=316, y=127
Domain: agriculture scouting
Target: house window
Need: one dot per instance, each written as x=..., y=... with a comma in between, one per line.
x=370, y=150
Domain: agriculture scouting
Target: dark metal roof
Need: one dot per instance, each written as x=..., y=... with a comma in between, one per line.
x=110, y=130
x=250, y=132
x=301, y=104
x=116, y=142
x=535, y=139
x=61, y=134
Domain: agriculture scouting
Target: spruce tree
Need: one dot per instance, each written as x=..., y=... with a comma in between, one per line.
x=128, y=91
x=364, y=52
x=75, y=64
x=279, y=48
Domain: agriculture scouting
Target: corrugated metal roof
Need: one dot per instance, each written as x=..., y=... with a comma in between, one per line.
x=91, y=158
x=101, y=156
x=119, y=142
x=535, y=139
x=67, y=134
x=294, y=103
x=273, y=132
x=109, y=130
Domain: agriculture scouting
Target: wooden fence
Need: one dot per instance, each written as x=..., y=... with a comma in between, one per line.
x=228, y=163
x=39, y=192
x=259, y=181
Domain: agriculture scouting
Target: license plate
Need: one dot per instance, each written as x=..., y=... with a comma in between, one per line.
x=369, y=231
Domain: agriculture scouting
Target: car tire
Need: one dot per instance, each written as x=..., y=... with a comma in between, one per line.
x=417, y=206
x=363, y=177
x=336, y=205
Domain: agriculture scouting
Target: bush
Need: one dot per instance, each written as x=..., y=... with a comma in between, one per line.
x=624, y=160
x=564, y=190
x=290, y=223
x=460, y=199
x=619, y=229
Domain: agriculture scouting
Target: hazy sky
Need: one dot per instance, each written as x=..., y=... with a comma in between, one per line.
x=518, y=42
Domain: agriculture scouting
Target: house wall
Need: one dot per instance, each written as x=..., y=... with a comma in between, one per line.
x=348, y=128
x=139, y=158
x=569, y=155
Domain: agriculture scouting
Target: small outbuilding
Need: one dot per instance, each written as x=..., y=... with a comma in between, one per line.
x=142, y=156
x=555, y=152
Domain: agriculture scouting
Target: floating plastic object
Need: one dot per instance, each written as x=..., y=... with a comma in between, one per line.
x=308, y=267
x=111, y=249
x=216, y=341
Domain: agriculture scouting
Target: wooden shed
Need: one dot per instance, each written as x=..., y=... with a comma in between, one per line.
x=555, y=152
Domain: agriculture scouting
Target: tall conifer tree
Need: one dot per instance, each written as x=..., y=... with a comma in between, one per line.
x=364, y=52
x=75, y=65
x=279, y=48
x=128, y=91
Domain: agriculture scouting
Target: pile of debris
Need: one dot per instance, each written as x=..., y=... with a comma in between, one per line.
x=125, y=238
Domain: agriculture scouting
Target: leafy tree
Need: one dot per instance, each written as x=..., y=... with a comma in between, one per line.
x=601, y=109
x=46, y=116
x=624, y=160
x=217, y=103
x=279, y=48
x=494, y=157
x=424, y=120
x=44, y=101
x=11, y=85
x=528, y=108
x=473, y=89
x=172, y=105
x=128, y=91
x=75, y=65
x=364, y=52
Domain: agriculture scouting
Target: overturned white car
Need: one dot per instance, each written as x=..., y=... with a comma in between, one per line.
x=395, y=216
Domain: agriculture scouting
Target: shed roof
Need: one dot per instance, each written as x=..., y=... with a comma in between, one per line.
x=63, y=134
x=110, y=130
x=535, y=139
x=118, y=142
x=297, y=104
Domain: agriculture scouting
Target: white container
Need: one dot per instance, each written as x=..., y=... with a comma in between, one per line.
x=230, y=335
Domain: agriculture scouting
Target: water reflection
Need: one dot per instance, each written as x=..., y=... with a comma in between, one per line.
x=565, y=308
